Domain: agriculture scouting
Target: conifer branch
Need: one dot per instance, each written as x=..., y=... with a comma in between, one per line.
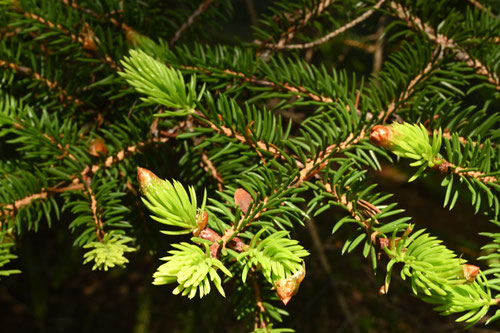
x=479, y=6
x=405, y=94
x=10, y=209
x=315, y=165
x=210, y=168
x=306, y=16
x=445, y=43
x=334, y=33
x=86, y=38
x=297, y=90
x=446, y=167
x=260, y=307
x=201, y=8
x=128, y=31
x=96, y=215
x=52, y=85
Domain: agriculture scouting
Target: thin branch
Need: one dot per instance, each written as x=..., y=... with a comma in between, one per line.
x=314, y=165
x=10, y=209
x=332, y=34
x=96, y=215
x=379, y=46
x=209, y=167
x=52, y=85
x=307, y=15
x=128, y=31
x=201, y=8
x=447, y=167
x=87, y=38
x=325, y=264
x=385, y=114
x=299, y=90
x=479, y=6
x=75, y=184
x=369, y=48
x=445, y=43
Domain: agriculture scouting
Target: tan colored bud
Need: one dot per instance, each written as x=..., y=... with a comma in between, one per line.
x=145, y=177
x=98, y=148
x=470, y=272
x=243, y=199
x=210, y=235
x=286, y=288
x=381, y=136
x=89, y=38
x=382, y=290
x=201, y=223
x=384, y=242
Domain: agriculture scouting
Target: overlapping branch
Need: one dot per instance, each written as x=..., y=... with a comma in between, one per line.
x=332, y=34
x=445, y=43
x=201, y=8
x=52, y=85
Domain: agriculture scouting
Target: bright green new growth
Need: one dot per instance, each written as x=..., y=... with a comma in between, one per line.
x=162, y=84
x=412, y=141
x=192, y=269
x=109, y=252
x=437, y=276
x=277, y=256
x=172, y=205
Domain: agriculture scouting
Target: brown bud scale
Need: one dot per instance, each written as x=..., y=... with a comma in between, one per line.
x=381, y=136
x=243, y=199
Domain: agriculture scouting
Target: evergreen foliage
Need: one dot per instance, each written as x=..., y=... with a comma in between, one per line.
x=94, y=92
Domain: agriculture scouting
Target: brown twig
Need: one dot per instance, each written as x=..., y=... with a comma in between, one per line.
x=314, y=165
x=479, y=6
x=86, y=37
x=96, y=215
x=445, y=43
x=201, y=8
x=10, y=209
x=52, y=85
x=259, y=304
x=332, y=34
x=447, y=167
x=299, y=90
x=385, y=114
x=209, y=167
x=306, y=16
x=129, y=32
x=75, y=184
x=325, y=265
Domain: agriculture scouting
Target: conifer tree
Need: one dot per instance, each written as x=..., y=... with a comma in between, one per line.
x=119, y=114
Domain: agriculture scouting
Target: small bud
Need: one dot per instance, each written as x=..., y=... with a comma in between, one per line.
x=98, y=148
x=382, y=290
x=381, y=136
x=89, y=38
x=470, y=272
x=201, y=223
x=214, y=250
x=286, y=288
x=384, y=242
x=145, y=178
x=237, y=244
x=243, y=199
x=210, y=235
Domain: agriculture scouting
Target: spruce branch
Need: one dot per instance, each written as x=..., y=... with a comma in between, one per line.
x=201, y=8
x=394, y=105
x=334, y=33
x=52, y=85
x=299, y=19
x=445, y=43
x=480, y=6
